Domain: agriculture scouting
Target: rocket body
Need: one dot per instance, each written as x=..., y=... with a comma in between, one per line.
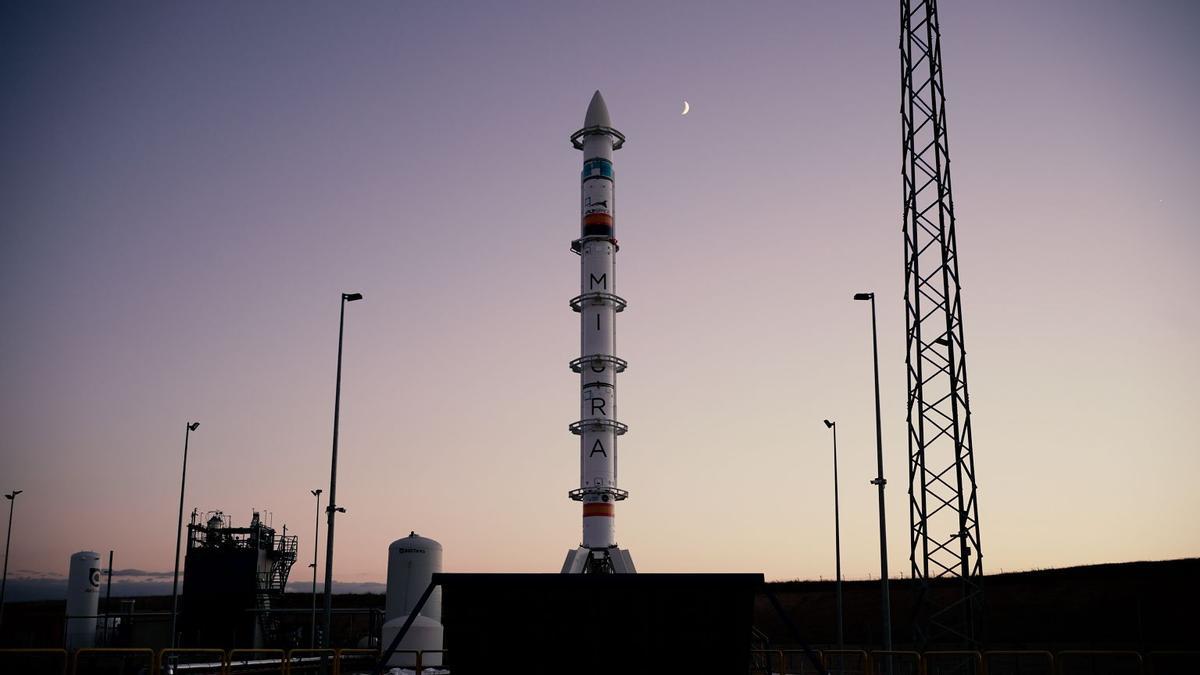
x=598, y=365
x=598, y=403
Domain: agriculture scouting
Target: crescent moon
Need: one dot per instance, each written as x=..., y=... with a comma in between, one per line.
x=686, y=108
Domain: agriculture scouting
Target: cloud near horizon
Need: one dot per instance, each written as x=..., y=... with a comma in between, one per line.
x=139, y=583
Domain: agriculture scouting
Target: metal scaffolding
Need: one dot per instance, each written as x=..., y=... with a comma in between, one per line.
x=946, y=555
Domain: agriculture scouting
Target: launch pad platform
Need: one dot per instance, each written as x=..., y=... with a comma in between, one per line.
x=598, y=623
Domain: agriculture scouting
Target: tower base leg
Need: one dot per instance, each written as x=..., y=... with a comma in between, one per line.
x=598, y=561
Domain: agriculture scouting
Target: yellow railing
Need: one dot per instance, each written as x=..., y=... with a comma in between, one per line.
x=895, y=662
x=264, y=657
x=418, y=658
x=90, y=654
x=769, y=656
x=954, y=660
x=797, y=662
x=314, y=658
x=421, y=657
x=1185, y=662
x=1017, y=656
x=169, y=657
x=19, y=660
x=845, y=661
x=1108, y=655
x=1038, y=662
x=789, y=661
x=353, y=655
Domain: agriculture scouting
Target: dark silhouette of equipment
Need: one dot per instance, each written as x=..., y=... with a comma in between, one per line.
x=231, y=575
x=946, y=555
x=600, y=623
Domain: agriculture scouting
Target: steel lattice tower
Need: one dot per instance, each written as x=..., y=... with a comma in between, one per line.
x=946, y=556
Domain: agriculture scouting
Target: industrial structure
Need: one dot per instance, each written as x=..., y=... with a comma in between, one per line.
x=231, y=575
x=598, y=365
x=943, y=509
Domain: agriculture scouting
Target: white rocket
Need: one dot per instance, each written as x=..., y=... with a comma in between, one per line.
x=598, y=365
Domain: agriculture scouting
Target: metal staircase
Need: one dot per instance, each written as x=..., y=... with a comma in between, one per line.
x=272, y=584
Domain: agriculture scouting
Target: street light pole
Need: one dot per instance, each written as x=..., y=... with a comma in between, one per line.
x=12, y=502
x=837, y=534
x=312, y=641
x=880, y=482
x=332, y=509
x=191, y=426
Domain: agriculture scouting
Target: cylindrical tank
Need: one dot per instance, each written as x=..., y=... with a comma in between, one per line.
x=213, y=537
x=412, y=562
x=424, y=634
x=83, y=599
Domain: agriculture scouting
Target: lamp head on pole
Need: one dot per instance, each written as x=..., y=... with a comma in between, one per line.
x=316, y=492
x=864, y=296
x=829, y=424
x=192, y=426
x=13, y=495
x=351, y=297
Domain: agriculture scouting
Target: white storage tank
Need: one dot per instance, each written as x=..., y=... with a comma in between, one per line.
x=83, y=599
x=412, y=562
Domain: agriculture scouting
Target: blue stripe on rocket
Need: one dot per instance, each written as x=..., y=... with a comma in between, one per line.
x=597, y=168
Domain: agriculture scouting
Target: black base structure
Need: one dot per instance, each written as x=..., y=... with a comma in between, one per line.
x=602, y=624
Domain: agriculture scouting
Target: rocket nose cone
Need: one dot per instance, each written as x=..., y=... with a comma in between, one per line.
x=597, y=112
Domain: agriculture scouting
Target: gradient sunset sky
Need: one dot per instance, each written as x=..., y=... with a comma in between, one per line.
x=186, y=189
